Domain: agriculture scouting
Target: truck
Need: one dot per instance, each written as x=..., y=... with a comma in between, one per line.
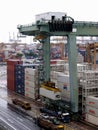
x=23, y=104
x=63, y=117
x=49, y=123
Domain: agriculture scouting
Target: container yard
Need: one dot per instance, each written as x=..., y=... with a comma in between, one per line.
x=56, y=84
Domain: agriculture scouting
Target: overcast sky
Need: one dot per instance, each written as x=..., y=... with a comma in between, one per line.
x=14, y=12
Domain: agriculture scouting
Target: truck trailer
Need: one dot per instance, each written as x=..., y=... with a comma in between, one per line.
x=49, y=124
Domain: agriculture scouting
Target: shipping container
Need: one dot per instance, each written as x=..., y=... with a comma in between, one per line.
x=11, y=73
x=92, y=110
x=31, y=71
x=53, y=62
x=54, y=74
x=20, y=90
x=31, y=95
x=31, y=84
x=63, y=78
x=20, y=77
x=11, y=84
x=57, y=51
x=92, y=119
x=31, y=89
x=80, y=67
x=20, y=68
x=92, y=101
x=32, y=78
x=58, y=67
x=54, y=95
x=63, y=86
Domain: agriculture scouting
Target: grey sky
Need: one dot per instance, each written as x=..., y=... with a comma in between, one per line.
x=14, y=12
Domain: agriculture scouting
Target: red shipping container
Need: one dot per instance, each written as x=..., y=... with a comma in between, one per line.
x=11, y=73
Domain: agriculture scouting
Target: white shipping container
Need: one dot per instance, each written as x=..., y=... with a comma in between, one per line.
x=47, y=16
x=31, y=95
x=31, y=89
x=63, y=86
x=80, y=74
x=58, y=67
x=92, y=111
x=54, y=74
x=6, y=53
x=50, y=94
x=31, y=78
x=63, y=78
x=80, y=67
x=61, y=62
x=67, y=67
x=92, y=119
x=30, y=84
x=90, y=74
x=92, y=101
x=31, y=71
x=80, y=58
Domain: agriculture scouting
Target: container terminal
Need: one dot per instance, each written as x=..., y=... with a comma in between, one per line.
x=54, y=82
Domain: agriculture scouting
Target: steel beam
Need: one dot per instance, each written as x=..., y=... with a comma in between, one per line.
x=72, y=57
x=79, y=29
x=46, y=58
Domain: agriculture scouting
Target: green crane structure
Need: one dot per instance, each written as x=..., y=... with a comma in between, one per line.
x=66, y=27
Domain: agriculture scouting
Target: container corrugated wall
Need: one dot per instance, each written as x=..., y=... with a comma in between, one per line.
x=20, y=78
x=31, y=83
x=92, y=119
x=11, y=73
x=92, y=101
x=64, y=86
x=92, y=110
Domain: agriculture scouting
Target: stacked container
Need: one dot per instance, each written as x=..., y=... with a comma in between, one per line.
x=31, y=83
x=51, y=93
x=11, y=73
x=89, y=84
x=61, y=81
x=80, y=67
x=80, y=58
x=64, y=85
x=53, y=76
x=92, y=109
x=57, y=67
x=20, y=77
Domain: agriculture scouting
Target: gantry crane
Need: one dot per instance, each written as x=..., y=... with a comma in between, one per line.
x=66, y=26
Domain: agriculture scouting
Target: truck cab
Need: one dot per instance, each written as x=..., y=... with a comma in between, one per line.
x=23, y=104
x=65, y=117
